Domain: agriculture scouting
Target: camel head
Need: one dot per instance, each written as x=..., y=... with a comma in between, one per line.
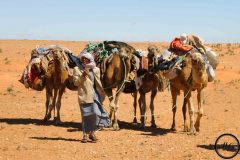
x=198, y=68
x=198, y=61
x=57, y=53
x=153, y=52
x=35, y=62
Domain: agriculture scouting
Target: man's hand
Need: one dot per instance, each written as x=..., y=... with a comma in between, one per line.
x=84, y=73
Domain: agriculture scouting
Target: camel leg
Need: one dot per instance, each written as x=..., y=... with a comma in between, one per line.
x=111, y=105
x=191, y=115
x=135, y=107
x=143, y=108
x=153, y=95
x=200, y=110
x=116, y=102
x=51, y=105
x=140, y=107
x=58, y=106
x=174, y=107
x=48, y=104
x=184, y=111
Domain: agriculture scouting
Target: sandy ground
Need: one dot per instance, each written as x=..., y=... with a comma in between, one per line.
x=24, y=136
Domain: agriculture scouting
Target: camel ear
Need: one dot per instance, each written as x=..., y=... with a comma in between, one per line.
x=149, y=49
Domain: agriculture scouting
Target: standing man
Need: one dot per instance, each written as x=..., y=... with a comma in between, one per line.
x=90, y=97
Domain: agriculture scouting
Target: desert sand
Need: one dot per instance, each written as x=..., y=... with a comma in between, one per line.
x=24, y=136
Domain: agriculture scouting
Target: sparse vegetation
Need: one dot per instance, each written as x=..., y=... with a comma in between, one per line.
x=218, y=45
x=230, y=52
x=216, y=81
x=7, y=61
x=0, y=50
x=229, y=45
x=10, y=89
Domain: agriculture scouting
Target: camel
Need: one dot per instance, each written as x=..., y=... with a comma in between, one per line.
x=115, y=68
x=55, y=79
x=191, y=77
x=151, y=82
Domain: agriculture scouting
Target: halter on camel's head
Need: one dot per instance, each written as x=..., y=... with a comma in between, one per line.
x=153, y=52
x=35, y=62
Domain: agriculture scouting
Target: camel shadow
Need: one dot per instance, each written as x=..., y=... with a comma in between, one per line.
x=208, y=147
x=148, y=130
x=231, y=148
x=55, y=139
x=76, y=126
x=72, y=126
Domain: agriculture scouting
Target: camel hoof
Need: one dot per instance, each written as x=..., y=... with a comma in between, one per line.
x=173, y=129
x=197, y=127
x=116, y=127
x=186, y=129
x=57, y=121
x=135, y=120
x=46, y=118
x=192, y=132
x=142, y=126
x=153, y=126
x=134, y=123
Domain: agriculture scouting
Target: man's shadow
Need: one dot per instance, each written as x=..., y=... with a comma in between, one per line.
x=76, y=127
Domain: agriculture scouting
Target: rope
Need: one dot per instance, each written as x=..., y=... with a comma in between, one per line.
x=149, y=115
x=125, y=76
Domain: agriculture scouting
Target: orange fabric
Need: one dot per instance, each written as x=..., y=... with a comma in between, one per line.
x=178, y=46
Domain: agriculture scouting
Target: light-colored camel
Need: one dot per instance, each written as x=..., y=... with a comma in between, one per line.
x=49, y=70
x=57, y=79
x=192, y=77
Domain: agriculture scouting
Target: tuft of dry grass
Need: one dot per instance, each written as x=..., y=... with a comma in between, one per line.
x=10, y=89
x=229, y=45
x=0, y=50
x=7, y=61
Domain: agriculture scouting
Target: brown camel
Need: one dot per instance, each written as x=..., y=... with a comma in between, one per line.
x=151, y=82
x=115, y=68
x=57, y=79
x=191, y=77
x=52, y=73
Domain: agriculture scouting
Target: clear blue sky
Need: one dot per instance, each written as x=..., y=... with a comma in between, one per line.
x=126, y=20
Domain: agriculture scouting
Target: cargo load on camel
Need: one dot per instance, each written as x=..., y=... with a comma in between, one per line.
x=34, y=73
x=170, y=62
x=142, y=65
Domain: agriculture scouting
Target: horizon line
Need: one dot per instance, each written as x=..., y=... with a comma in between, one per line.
x=130, y=41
